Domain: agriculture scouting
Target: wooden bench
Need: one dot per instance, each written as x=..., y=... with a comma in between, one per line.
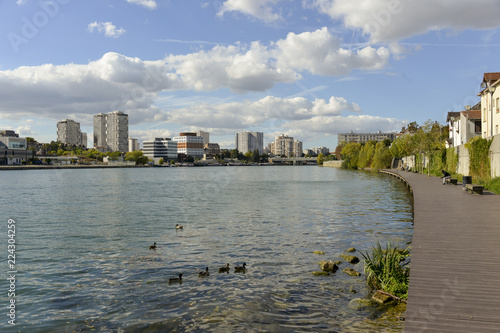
x=451, y=181
x=474, y=188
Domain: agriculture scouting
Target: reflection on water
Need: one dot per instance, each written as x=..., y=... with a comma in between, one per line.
x=85, y=263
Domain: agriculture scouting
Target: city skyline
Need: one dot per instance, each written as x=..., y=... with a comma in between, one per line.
x=310, y=69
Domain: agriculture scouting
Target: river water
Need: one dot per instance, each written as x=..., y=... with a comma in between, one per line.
x=83, y=260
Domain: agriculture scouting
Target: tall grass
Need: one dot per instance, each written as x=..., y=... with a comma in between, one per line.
x=384, y=269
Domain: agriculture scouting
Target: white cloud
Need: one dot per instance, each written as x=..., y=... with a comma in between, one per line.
x=118, y=82
x=107, y=27
x=150, y=134
x=338, y=124
x=150, y=4
x=394, y=20
x=260, y=9
x=21, y=2
x=241, y=115
x=319, y=52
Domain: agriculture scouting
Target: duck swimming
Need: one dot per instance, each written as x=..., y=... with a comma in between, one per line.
x=224, y=269
x=153, y=247
x=240, y=268
x=204, y=273
x=176, y=279
x=178, y=226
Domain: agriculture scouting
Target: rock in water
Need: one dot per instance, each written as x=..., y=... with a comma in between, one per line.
x=351, y=272
x=328, y=266
x=350, y=259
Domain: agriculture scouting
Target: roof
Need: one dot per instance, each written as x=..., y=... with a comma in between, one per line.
x=473, y=114
x=489, y=78
x=452, y=115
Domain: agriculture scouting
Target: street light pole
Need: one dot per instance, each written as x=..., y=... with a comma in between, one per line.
x=492, y=90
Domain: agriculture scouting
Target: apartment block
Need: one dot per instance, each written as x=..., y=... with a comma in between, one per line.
x=189, y=144
x=285, y=145
x=111, y=131
x=250, y=141
x=68, y=132
x=365, y=137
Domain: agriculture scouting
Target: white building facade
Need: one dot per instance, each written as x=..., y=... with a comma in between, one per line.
x=490, y=105
x=160, y=148
x=189, y=144
x=111, y=131
x=249, y=141
x=68, y=132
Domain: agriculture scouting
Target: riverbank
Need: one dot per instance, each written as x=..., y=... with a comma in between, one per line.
x=454, y=271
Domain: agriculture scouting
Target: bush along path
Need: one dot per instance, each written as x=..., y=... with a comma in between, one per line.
x=387, y=272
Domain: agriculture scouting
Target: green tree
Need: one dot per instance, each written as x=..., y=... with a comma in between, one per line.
x=161, y=161
x=255, y=156
x=430, y=139
x=366, y=155
x=234, y=154
x=136, y=156
x=382, y=158
x=320, y=159
x=350, y=154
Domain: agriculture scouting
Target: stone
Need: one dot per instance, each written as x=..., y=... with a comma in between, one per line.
x=382, y=298
x=351, y=249
x=351, y=272
x=359, y=303
x=319, y=252
x=320, y=273
x=350, y=259
x=328, y=266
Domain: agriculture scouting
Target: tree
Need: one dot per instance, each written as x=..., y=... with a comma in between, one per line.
x=234, y=154
x=382, y=158
x=320, y=159
x=366, y=155
x=136, y=156
x=255, y=156
x=350, y=155
x=431, y=139
x=161, y=161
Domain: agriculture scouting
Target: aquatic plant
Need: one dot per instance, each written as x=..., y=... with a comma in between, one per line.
x=384, y=269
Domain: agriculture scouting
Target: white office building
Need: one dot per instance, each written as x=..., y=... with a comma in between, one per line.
x=249, y=141
x=160, y=148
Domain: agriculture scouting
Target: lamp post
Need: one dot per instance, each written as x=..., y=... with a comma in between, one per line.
x=467, y=109
x=492, y=90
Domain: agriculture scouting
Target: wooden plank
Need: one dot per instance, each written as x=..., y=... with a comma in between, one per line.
x=455, y=277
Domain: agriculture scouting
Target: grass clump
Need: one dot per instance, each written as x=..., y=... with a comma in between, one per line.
x=384, y=269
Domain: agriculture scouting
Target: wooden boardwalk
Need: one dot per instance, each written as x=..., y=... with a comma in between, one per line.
x=455, y=259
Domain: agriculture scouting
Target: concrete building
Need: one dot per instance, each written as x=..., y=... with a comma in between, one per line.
x=111, y=131
x=490, y=105
x=211, y=149
x=13, y=149
x=189, y=144
x=285, y=145
x=84, y=139
x=249, y=141
x=205, y=136
x=100, y=132
x=463, y=126
x=133, y=145
x=160, y=148
x=68, y=132
x=365, y=137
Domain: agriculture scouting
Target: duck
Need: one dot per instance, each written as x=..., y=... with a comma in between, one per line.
x=153, y=247
x=176, y=279
x=178, y=226
x=240, y=268
x=224, y=269
x=204, y=273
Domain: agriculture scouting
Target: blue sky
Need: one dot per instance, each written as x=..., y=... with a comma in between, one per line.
x=307, y=68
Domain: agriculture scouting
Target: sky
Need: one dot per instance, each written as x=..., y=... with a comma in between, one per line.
x=305, y=68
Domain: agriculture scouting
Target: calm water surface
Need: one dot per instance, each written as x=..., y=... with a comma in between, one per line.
x=84, y=262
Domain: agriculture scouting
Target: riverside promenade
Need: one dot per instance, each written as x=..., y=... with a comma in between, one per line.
x=455, y=258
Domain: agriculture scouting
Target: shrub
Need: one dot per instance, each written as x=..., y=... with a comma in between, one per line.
x=384, y=271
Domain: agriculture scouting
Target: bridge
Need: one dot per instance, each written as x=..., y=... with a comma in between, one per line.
x=293, y=160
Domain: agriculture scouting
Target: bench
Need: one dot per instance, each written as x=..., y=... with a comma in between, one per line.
x=474, y=188
x=451, y=181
